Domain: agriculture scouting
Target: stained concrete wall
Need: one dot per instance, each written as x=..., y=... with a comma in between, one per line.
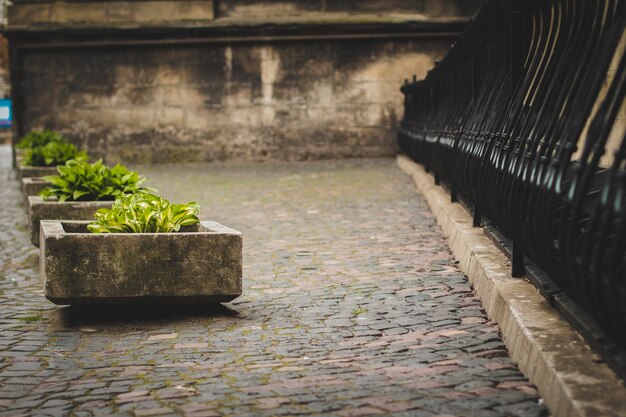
x=252, y=102
x=330, y=91
x=130, y=13
x=256, y=8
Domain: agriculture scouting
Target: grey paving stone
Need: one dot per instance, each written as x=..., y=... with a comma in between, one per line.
x=350, y=295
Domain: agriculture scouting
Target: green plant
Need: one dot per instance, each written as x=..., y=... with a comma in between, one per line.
x=53, y=153
x=30, y=318
x=357, y=311
x=144, y=213
x=80, y=180
x=38, y=138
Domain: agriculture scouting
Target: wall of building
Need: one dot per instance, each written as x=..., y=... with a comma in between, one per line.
x=330, y=89
x=256, y=8
x=252, y=102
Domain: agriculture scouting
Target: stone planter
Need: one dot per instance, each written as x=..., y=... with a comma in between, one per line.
x=38, y=210
x=31, y=187
x=200, y=264
x=24, y=171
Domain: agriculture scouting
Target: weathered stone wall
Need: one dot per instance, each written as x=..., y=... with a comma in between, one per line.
x=253, y=102
x=216, y=80
x=256, y=8
x=130, y=13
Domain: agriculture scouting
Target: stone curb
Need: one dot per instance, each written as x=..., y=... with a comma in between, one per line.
x=569, y=376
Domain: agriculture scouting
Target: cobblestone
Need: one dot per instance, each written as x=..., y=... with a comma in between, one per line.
x=352, y=306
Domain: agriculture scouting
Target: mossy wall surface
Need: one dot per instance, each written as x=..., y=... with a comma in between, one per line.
x=251, y=102
x=224, y=92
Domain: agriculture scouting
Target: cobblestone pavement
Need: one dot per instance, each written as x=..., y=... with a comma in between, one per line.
x=352, y=306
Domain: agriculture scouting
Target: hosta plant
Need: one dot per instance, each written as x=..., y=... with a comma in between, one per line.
x=82, y=181
x=53, y=153
x=144, y=213
x=38, y=138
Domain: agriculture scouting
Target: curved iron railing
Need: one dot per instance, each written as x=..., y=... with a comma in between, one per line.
x=503, y=119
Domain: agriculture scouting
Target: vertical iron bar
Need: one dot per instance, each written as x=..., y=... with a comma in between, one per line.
x=517, y=43
x=477, y=217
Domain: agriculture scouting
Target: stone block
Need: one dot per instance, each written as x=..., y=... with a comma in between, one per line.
x=199, y=264
x=376, y=6
x=166, y=11
x=110, y=14
x=24, y=14
x=246, y=9
x=32, y=187
x=452, y=8
x=38, y=210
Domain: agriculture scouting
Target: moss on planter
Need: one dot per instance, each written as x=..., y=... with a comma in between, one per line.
x=199, y=264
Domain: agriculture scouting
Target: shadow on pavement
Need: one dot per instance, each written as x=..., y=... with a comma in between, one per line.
x=79, y=316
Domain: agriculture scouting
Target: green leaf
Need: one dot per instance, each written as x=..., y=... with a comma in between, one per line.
x=77, y=179
x=53, y=153
x=144, y=213
x=39, y=138
x=78, y=194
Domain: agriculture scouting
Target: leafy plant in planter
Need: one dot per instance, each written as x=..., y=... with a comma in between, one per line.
x=144, y=213
x=38, y=138
x=53, y=153
x=82, y=181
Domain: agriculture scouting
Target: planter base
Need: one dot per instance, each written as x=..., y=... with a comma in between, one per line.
x=200, y=264
x=140, y=301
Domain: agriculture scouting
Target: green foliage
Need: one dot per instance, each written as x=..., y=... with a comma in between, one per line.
x=38, y=138
x=53, y=153
x=358, y=311
x=47, y=148
x=82, y=181
x=29, y=318
x=144, y=213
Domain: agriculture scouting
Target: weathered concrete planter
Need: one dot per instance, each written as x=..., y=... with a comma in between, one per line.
x=32, y=186
x=202, y=263
x=24, y=171
x=38, y=210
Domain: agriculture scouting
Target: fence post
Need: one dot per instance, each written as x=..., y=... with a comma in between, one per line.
x=477, y=215
x=453, y=194
x=517, y=46
x=517, y=261
x=517, y=42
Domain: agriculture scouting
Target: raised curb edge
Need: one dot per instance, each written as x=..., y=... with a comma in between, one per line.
x=571, y=378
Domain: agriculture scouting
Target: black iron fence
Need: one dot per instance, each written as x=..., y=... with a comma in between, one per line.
x=521, y=121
